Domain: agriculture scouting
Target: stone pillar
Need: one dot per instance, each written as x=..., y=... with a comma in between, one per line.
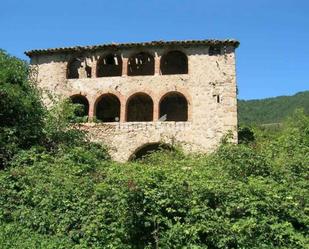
x=157, y=65
x=124, y=66
x=155, y=110
x=91, y=111
x=94, y=68
x=122, y=110
x=81, y=71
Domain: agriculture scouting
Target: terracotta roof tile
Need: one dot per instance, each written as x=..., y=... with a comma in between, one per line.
x=29, y=53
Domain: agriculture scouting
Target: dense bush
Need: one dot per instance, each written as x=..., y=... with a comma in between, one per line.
x=58, y=190
x=24, y=120
x=245, y=135
x=21, y=112
x=242, y=196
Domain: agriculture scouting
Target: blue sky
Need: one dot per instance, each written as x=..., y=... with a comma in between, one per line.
x=273, y=57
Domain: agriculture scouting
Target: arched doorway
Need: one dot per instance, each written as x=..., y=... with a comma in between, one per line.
x=139, y=108
x=107, y=108
x=174, y=107
x=82, y=104
x=147, y=149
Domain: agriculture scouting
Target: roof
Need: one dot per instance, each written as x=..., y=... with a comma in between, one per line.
x=231, y=42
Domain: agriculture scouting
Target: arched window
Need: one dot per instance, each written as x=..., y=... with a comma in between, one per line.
x=73, y=69
x=141, y=64
x=82, y=109
x=108, y=108
x=140, y=108
x=109, y=66
x=174, y=107
x=174, y=62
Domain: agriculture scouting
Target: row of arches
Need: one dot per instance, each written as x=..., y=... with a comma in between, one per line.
x=139, y=107
x=142, y=63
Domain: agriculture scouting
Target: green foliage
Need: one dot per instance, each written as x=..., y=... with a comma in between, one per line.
x=24, y=121
x=242, y=196
x=13, y=236
x=58, y=190
x=21, y=112
x=80, y=114
x=245, y=135
x=271, y=110
x=58, y=129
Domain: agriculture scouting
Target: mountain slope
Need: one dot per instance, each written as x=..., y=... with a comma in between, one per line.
x=271, y=110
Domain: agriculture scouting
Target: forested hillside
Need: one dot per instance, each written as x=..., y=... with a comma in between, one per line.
x=58, y=190
x=271, y=110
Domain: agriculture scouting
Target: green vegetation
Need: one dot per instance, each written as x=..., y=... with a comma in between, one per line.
x=271, y=110
x=20, y=109
x=61, y=191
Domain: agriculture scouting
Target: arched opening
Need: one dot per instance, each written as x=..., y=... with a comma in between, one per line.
x=108, y=108
x=174, y=62
x=140, y=108
x=141, y=64
x=147, y=149
x=73, y=68
x=109, y=66
x=174, y=107
x=82, y=105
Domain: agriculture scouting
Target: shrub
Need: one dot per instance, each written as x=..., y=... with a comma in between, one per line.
x=61, y=191
x=233, y=198
x=245, y=135
x=21, y=112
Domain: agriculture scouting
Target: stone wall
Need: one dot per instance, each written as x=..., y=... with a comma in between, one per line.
x=209, y=87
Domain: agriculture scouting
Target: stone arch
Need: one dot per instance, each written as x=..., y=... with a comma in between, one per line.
x=109, y=65
x=79, y=99
x=147, y=149
x=139, y=108
x=173, y=106
x=174, y=62
x=141, y=63
x=107, y=108
x=73, y=68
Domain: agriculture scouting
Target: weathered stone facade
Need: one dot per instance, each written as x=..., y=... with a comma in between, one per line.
x=208, y=89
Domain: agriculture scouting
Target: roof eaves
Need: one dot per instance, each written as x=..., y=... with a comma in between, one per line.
x=232, y=42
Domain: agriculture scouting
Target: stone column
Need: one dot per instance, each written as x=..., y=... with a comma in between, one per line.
x=91, y=111
x=124, y=66
x=94, y=68
x=122, y=110
x=155, y=110
x=157, y=65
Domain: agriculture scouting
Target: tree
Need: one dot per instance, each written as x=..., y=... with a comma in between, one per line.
x=21, y=111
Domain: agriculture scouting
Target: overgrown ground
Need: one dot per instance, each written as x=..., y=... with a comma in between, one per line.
x=58, y=190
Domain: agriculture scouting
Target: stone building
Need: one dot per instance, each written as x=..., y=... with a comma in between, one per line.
x=138, y=95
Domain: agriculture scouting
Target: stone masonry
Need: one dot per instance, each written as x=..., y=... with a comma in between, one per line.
x=194, y=106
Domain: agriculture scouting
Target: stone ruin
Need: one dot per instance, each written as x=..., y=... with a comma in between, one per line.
x=137, y=96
